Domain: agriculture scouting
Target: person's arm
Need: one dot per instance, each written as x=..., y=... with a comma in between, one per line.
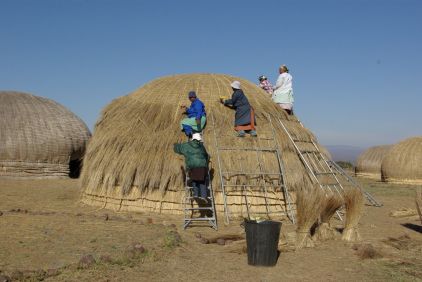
x=179, y=148
x=233, y=100
x=279, y=83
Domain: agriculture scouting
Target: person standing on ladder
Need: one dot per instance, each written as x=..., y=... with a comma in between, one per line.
x=196, y=164
x=195, y=122
x=244, y=119
x=283, y=90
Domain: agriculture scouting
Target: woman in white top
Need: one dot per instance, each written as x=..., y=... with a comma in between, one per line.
x=283, y=90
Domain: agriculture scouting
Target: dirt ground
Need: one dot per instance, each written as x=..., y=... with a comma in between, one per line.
x=47, y=234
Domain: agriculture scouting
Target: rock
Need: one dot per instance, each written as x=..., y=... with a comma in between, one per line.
x=221, y=241
x=134, y=251
x=198, y=235
x=149, y=220
x=40, y=275
x=367, y=251
x=106, y=217
x=1, y=213
x=5, y=278
x=79, y=214
x=204, y=240
x=86, y=262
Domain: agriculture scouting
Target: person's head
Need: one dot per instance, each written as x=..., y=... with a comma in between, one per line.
x=192, y=96
x=197, y=137
x=235, y=85
x=283, y=69
x=262, y=78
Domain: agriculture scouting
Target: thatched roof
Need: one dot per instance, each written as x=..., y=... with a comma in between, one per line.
x=130, y=163
x=368, y=163
x=39, y=137
x=403, y=163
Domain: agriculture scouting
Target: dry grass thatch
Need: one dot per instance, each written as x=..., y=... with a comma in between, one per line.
x=403, y=163
x=369, y=162
x=130, y=163
x=418, y=200
x=354, y=201
x=331, y=203
x=39, y=137
x=309, y=207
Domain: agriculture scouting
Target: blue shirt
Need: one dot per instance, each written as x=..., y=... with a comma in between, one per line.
x=196, y=109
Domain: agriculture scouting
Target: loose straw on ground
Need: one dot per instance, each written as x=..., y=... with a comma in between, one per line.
x=354, y=207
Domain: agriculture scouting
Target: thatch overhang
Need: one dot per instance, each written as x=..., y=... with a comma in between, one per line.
x=39, y=138
x=130, y=163
x=403, y=163
x=369, y=162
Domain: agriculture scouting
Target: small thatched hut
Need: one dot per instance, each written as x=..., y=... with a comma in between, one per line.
x=39, y=138
x=403, y=163
x=369, y=162
x=130, y=163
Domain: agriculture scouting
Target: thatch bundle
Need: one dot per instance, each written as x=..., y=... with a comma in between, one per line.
x=369, y=162
x=403, y=163
x=130, y=163
x=330, y=204
x=353, y=201
x=39, y=138
x=309, y=207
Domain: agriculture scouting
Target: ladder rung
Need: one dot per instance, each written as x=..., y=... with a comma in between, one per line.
x=324, y=173
x=249, y=149
x=199, y=209
x=200, y=219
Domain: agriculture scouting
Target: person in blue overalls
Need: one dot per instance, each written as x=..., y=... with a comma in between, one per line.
x=195, y=122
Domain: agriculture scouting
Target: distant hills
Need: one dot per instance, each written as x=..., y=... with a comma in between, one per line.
x=344, y=152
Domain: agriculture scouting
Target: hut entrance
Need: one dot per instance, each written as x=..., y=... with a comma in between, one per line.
x=74, y=168
x=247, y=178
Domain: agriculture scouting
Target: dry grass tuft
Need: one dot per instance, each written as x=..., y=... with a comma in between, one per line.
x=308, y=210
x=354, y=201
x=331, y=204
x=367, y=251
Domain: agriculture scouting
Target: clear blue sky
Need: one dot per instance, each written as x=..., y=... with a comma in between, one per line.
x=356, y=63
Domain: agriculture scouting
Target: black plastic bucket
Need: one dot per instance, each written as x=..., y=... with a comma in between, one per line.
x=262, y=242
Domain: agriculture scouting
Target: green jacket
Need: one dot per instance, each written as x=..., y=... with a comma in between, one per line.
x=195, y=154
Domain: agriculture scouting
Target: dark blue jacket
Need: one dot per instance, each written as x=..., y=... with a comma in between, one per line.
x=196, y=109
x=241, y=104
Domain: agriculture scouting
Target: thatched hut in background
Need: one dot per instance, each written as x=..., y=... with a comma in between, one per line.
x=369, y=162
x=130, y=163
x=403, y=163
x=39, y=138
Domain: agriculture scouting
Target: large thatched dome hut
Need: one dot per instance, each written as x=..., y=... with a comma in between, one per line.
x=369, y=162
x=130, y=163
x=403, y=163
x=39, y=138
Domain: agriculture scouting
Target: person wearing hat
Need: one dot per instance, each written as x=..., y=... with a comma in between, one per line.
x=265, y=84
x=196, y=164
x=196, y=119
x=244, y=119
x=283, y=90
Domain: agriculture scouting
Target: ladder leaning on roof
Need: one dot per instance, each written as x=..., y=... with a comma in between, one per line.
x=189, y=209
x=260, y=174
x=318, y=166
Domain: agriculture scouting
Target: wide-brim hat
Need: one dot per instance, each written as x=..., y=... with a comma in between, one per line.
x=235, y=84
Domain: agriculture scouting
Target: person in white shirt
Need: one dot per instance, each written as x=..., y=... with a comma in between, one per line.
x=283, y=90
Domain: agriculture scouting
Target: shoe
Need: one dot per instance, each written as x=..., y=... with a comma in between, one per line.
x=203, y=199
x=241, y=133
x=253, y=133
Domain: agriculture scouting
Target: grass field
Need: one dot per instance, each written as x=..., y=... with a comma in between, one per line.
x=46, y=234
